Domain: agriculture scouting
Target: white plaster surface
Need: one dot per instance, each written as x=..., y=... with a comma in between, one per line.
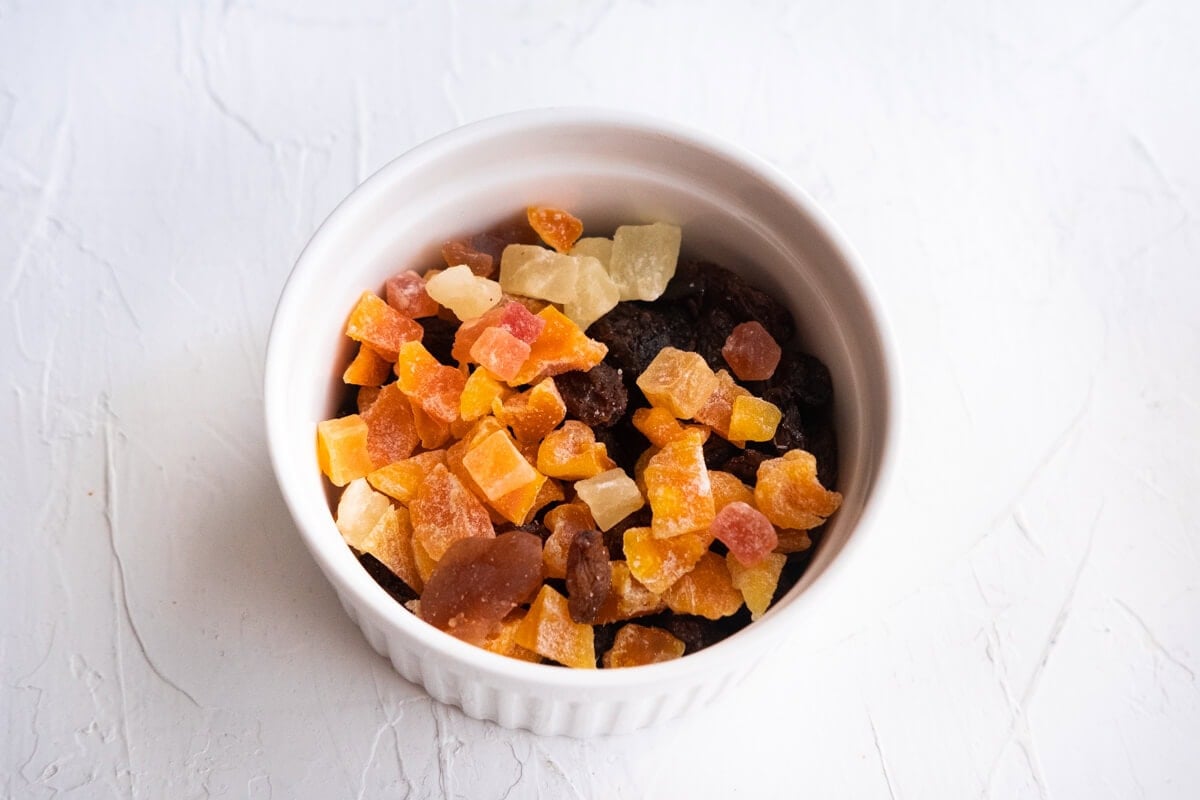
x=1023, y=179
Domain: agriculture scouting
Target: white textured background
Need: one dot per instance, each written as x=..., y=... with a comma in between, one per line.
x=1022, y=178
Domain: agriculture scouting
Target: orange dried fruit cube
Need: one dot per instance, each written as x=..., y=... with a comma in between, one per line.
x=533, y=413
x=637, y=645
x=500, y=352
x=433, y=433
x=753, y=420
x=504, y=640
x=627, y=598
x=549, y=631
x=572, y=453
x=756, y=582
x=384, y=328
x=561, y=347
x=658, y=563
x=342, y=449
x=359, y=510
x=478, y=393
x=445, y=511
x=497, y=467
x=706, y=591
x=679, y=381
x=406, y=293
x=792, y=541
x=558, y=228
x=366, y=395
x=390, y=542
x=425, y=564
x=611, y=496
x=413, y=364
x=471, y=253
x=717, y=410
x=391, y=431
x=678, y=488
x=790, y=494
x=563, y=521
x=435, y=387
x=551, y=491
x=660, y=426
x=727, y=489
x=367, y=369
x=401, y=479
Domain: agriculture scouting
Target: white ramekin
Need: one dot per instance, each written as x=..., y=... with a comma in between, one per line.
x=608, y=168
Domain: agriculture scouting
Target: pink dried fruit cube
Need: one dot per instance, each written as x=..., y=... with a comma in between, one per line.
x=751, y=352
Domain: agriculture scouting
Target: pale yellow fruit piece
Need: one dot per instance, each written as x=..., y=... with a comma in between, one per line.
x=611, y=497
x=359, y=508
x=533, y=271
x=644, y=259
x=756, y=582
x=596, y=247
x=595, y=294
x=463, y=292
x=390, y=541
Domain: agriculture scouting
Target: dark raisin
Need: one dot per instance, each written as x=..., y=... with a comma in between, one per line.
x=822, y=443
x=533, y=526
x=725, y=289
x=596, y=397
x=604, y=635
x=589, y=576
x=802, y=378
x=398, y=589
x=717, y=452
x=635, y=333
x=686, y=288
x=745, y=466
x=624, y=442
x=439, y=338
x=697, y=633
x=711, y=332
x=614, y=537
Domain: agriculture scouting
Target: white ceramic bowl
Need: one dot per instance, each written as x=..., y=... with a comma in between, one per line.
x=608, y=169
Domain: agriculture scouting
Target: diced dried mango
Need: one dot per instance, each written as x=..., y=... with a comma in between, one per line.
x=401, y=479
x=611, y=496
x=753, y=420
x=792, y=541
x=463, y=292
x=660, y=426
x=368, y=368
x=433, y=433
x=561, y=347
x=498, y=467
x=549, y=631
x=533, y=413
x=478, y=393
x=727, y=489
x=390, y=542
x=678, y=488
x=790, y=494
x=679, y=381
x=504, y=640
x=359, y=509
x=563, y=521
x=558, y=228
x=717, y=410
x=658, y=563
x=705, y=591
x=366, y=395
x=637, y=645
x=342, y=449
x=756, y=582
x=572, y=453
x=384, y=328
x=445, y=511
x=644, y=259
x=435, y=387
x=391, y=431
x=534, y=271
x=627, y=598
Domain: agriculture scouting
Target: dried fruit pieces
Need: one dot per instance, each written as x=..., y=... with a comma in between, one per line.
x=382, y=327
x=342, y=449
x=534, y=271
x=789, y=493
x=611, y=496
x=757, y=582
x=751, y=352
x=595, y=293
x=717, y=410
x=658, y=563
x=390, y=542
x=445, y=511
x=564, y=522
x=401, y=480
x=560, y=347
x=558, y=228
x=589, y=575
x=549, y=631
x=753, y=420
x=391, y=430
x=637, y=645
x=501, y=353
x=706, y=590
x=432, y=385
x=627, y=598
x=405, y=292
x=643, y=259
x=497, y=467
x=747, y=533
x=359, y=509
x=478, y=393
x=572, y=453
x=479, y=254
x=678, y=488
x=678, y=381
x=368, y=368
x=463, y=292
x=533, y=413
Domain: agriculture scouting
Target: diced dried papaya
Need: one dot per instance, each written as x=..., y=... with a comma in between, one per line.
x=549, y=631
x=561, y=347
x=660, y=426
x=478, y=393
x=756, y=582
x=558, y=228
x=572, y=453
x=533, y=413
x=401, y=479
x=382, y=327
x=563, y=521
x=342, y=449
x=391, y=431
x=637, y=645
x=504, y=640
x=627, y=598
x=658, y=563
x=678, y=488
x=792, y=541
x=705, y=591
x=368, y=368
x=500, y=352
x=753, y=420
x=717, y=410
x=727, y=489
x=445, y=511
x=679, y=381
x=790, y=494
x=405, y=292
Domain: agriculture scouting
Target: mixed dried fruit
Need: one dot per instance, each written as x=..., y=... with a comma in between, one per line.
x=580, y=451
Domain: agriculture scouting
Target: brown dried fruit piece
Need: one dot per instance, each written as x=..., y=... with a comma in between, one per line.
x=627, y=598
x=589, y=575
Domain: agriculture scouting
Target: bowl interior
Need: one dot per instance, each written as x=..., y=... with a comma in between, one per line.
x=733, y=211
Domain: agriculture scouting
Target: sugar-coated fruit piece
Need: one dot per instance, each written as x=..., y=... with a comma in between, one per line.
x=751, y=352
x=561, y=347
x=589, y=575
x=727, y=488
x=497, y=466
x=563, y=521
x=637, y=645
x=661, y=427
x=500, y=353
x=792, y=541
x=595, y=294
x=517, y=506
x=679, y=381
x=756, y=582
x=789, y=493
x=678, y=488
x=533, y=413
x=595, y=247
x=469, y=253
x=401, y=479
x=644, y=259
x=424, y=562
x=382, y=327
x=658, y=563
x=413, y=366
x=627, y=598
x=572, y=453
x=558, y=228
x=367, y=369
x=463, y=292
x=478, y=582
x=468, y=332
x=747, y=533
x=405, y=292
x=549, y=631
x=478, y=393
x=753, y=420
x=434, y=386
x=705, y=591
x=718, y=409
x=391, y=430
x=359, y=509
x=549, y=493
x=611, y=496
x=504, y=640
x=445, y=511
x=366, y=395
x=522, y=323
x=433, y=433
x=342, y=449
x=534, y=271
x=390, y=542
